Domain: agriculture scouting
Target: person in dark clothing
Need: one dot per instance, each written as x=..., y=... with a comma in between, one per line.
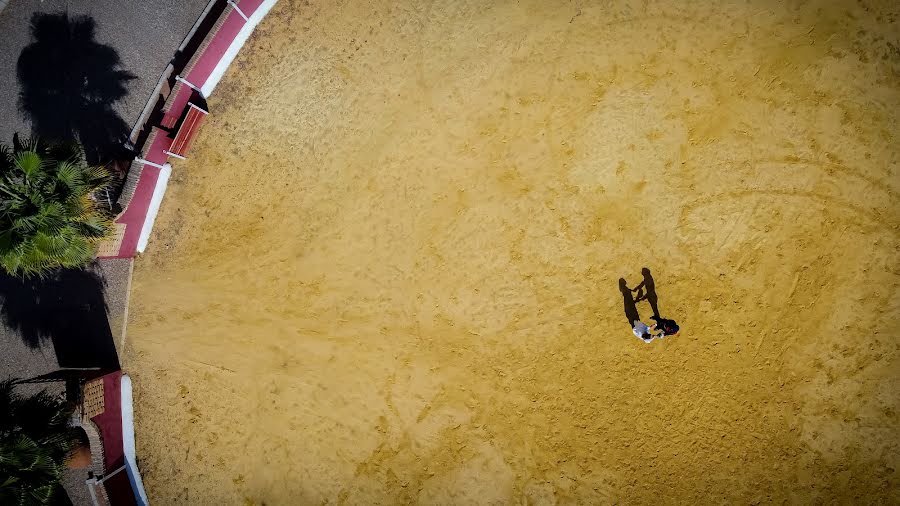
x=668, y=327
x=649, y=291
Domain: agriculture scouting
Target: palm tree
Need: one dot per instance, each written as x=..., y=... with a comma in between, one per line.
x=48, y=216
x=35, y=438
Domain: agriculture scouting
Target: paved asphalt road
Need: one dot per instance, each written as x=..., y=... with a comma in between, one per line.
x=145, y=33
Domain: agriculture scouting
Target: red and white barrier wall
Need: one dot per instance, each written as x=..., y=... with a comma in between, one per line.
x=151, y=171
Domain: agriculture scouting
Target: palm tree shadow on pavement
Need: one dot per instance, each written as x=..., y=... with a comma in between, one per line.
x=69, y=84
x=69, y=309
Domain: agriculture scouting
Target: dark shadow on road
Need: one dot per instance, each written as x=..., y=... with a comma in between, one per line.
x=67, y=308
x=69, y=84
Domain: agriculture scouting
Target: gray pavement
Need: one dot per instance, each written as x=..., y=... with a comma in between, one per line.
x=73, y=481
x=19, y=360
x=31, y=341
x=115, y=274
x=144, y=32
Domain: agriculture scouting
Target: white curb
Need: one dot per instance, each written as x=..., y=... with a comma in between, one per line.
x=134, y=476
x=153, y=210
x=236, y=46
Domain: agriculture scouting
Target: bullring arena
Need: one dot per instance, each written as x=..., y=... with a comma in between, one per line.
x=388, y=271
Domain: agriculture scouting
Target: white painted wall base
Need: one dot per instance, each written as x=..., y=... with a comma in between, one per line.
x=153, y=210
x=236, y=46
x=134, y=476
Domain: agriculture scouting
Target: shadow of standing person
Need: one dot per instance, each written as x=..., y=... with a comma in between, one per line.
x=631, y=312
x=649, y=287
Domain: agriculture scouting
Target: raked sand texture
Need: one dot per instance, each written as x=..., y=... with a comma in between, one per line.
x=388, y=272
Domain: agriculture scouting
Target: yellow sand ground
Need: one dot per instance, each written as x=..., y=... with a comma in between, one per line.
x=388, y=272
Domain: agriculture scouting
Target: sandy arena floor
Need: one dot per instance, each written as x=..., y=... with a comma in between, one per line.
x=388, y=272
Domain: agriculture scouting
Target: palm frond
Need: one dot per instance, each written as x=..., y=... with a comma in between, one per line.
x=11, y=260
x=69, y=174
x=53, y=247
x=7, y=240
x=54, y=217
x=47, y=206
x=95, y=177
x=29, y=163
x=11, y=197
x=35, y=437
x=68, y=152
x=79, y=251
x=28, y=224
x=24, y=143
x=5, y=158
x=95, y=227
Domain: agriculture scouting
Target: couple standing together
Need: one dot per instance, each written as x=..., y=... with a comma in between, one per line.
x=645, y=291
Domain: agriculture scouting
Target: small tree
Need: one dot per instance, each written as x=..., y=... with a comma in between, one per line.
x=35, y=438
x=48, y=216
